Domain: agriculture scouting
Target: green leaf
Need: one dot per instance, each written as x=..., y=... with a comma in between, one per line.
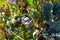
x=31, y=3
x=1, y=4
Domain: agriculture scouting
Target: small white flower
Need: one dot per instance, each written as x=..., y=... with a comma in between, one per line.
x=16, y=29
x=18, y=19
x=27, y=23
x=23, y=17
x=13, y=21
x=51, y=11
x=3, y=19
x=23, y=22
x=3, y=13
x=26, y=19
x=8, y=23
x=52, y=20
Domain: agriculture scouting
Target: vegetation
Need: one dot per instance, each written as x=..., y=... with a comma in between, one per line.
x=20, y=18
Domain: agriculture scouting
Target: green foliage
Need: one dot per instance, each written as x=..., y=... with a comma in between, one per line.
x=35, y=14
x=2, y=2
